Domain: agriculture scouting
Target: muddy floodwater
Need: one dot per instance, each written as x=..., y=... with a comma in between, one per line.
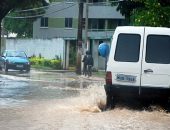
x=65, y=101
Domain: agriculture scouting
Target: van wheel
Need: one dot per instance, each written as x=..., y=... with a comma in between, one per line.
x=168, y=105
x=110, y=101
x=165, y=103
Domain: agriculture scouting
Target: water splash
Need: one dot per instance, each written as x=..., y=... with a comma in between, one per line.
x=92, y=99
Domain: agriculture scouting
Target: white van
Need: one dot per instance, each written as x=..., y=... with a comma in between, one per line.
x=139, y=63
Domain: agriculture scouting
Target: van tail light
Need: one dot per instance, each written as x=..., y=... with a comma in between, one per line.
x=108, y=78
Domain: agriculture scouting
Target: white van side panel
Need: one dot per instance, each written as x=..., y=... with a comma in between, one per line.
x=160, y=77
x=125, y=68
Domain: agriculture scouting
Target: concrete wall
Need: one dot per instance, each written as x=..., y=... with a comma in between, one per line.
x=48, y=48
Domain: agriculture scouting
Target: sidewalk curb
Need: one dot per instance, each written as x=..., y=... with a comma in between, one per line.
x=59, y=71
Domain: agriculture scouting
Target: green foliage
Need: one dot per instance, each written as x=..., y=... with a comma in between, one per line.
x=126, y=7
x=7, y=6
x=41, y=62
x=22, y=27
x=154, y=14
x=146, y=12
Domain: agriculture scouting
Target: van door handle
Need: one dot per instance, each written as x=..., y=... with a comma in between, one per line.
x=148, y=71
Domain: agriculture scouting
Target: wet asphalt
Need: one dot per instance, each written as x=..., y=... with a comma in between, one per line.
x=17, y=88
x=63, y=100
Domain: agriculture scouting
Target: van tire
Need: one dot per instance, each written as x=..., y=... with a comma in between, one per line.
x=110, y=99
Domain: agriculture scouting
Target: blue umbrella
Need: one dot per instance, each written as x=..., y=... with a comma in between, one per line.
x=104, y=49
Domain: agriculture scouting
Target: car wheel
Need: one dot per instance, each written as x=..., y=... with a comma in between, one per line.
x=28, y=70
x=6, y=67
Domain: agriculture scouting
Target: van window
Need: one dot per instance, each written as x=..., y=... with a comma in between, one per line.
x=158, y=49
x=127, y=48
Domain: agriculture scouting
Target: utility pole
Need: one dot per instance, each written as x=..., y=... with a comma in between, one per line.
x=0, y=34
x=86, y=24
x=79, y=38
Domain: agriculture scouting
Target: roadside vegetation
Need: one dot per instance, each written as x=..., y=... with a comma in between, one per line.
x=42, y=63
x=153, y=13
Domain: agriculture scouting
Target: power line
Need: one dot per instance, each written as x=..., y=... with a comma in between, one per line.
x=33, y=9
x=56, y=3
x=40, y=15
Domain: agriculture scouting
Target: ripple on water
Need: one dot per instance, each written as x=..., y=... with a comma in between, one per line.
x=10, y=102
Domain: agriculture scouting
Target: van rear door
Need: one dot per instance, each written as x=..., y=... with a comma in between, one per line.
x=126, y=56
x=156, y=58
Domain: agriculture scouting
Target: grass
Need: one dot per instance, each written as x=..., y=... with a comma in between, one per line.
x=72, y=68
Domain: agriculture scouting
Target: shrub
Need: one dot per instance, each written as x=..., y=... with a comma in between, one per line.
x=54, y=63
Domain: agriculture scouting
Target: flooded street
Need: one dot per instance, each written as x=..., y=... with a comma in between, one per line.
x=64, y=101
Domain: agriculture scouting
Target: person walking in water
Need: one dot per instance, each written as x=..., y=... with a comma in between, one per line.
x=88, y=64
x=85, y=64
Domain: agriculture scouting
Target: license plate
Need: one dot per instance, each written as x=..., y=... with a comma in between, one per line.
x=19, y=66
x=125, y=78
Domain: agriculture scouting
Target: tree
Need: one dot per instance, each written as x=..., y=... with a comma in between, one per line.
x=22, y=27
x=9, y=5
x=146, y=12
x=155, y=13
x=126, y=7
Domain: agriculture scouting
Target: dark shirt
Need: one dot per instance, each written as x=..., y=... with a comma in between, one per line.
x=88, y=60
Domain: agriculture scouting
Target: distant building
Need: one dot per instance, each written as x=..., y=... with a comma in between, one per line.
x=61, y=21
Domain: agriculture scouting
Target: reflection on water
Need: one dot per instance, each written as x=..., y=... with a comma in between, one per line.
x=71, y=102
x=11, y=102
x=11, y=92
x=89, y=92
x=14, y=88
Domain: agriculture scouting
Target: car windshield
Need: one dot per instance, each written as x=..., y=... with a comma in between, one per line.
x=15, y=54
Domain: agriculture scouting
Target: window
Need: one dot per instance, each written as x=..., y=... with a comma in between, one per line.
x=96, y=24
x=93, y=23
x=68, y=22
x=158, y=49
x=93, y=1
x=70, y=1
x=101, y=24
x=127, y=48
x=44, y=22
